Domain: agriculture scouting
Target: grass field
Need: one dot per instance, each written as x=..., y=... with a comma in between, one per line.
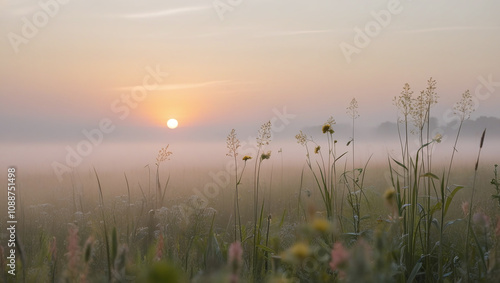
x=328, y=219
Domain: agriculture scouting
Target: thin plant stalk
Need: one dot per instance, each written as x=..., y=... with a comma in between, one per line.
x=106, y=240
x=469, y=219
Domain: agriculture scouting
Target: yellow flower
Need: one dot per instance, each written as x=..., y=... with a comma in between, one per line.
x=246, y=157
x=300, y=250
x=389, y=195
x=321, y=225
x=316, y=149
x=265, y=155
x=301, y=138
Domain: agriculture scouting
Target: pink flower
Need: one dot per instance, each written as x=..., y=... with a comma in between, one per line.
x=73, y=251
x=465, y=208
x=339, y=256
x=235, y=259
x=159, y=248
x=481, y=219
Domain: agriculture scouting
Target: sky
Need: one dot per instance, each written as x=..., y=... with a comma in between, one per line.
x=68, y=65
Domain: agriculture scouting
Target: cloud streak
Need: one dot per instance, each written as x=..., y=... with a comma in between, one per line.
x=295, y=32
x=164, y=13
x=183, y=86
x=445, y=29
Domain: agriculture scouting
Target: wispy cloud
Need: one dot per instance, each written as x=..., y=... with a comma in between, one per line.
x=444, y=29
x=296, y=32
x=164, y=13
x=183, y=86
x=193, y=85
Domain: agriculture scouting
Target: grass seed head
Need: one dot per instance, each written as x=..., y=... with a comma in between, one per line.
x=233, y=143
x=465, y=106
x=264, y=134
x=352, y=110
x=163, y=154
x=301, y=138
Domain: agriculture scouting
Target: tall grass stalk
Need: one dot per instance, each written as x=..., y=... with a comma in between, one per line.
x=163, y=155
x=128, y=209
x=263, y=139
x=324, y=173
x=463, y=109
x=430, y=99
x=352, y=111
x=106, y=240
x=471, y=205
x=233, y=143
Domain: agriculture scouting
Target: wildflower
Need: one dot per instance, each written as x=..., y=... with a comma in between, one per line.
x=265, y=155
x=73, y=251
x=327, y=127
x=389, y=195
x=300, y=251
x=465, y=208
x=340, y=256
x=321, y=225
x=233, y=143
x=235, y=255
x=437, y=138
x=481, y=219
x=394, y=218
x=235, y=260
x=246, y=157
x=159, y=248
x=316, y=149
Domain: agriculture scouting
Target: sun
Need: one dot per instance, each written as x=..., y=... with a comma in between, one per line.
x=172, y=123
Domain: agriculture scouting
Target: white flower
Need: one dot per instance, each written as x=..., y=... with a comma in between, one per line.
x=438, y=138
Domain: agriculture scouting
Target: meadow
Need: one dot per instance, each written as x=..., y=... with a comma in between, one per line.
x=330, y=218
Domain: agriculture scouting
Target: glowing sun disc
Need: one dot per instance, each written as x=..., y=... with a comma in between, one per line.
x=172, y=123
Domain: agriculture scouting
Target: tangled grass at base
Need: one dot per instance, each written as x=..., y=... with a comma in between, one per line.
x=416, y=237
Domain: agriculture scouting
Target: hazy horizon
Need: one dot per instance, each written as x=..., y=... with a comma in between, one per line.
x=72, y=67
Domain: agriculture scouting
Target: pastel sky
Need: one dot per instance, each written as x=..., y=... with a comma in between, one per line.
x=230, y=68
